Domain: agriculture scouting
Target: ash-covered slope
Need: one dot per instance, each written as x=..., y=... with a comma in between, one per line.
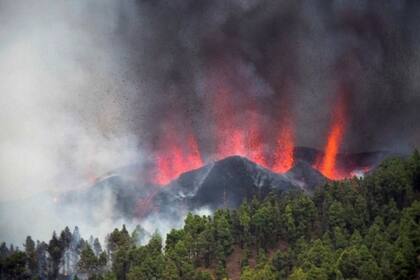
x=305, y=176
x=223, y=183
x=228, y=182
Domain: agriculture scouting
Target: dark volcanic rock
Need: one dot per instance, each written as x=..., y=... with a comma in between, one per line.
x=225, y=183
x=306, y=176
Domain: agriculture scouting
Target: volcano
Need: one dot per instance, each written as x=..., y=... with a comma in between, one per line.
x=222, y=183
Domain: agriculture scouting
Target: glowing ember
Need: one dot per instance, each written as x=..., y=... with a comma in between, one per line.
x=335, y=137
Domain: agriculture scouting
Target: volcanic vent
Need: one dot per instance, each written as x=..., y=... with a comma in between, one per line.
x=180, y=148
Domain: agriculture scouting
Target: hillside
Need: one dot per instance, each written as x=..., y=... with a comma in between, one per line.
x=362, y=228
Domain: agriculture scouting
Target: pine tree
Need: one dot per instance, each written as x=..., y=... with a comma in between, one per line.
x=137, y=235
x=282, y=263
x=298, y=274
x=56, y=250
x=223, y=236
x=31, y=256
x=97, y=248
x=170, y=271
x=4, y=251
x=41, y=256
x=88, y=262
x=14, y=266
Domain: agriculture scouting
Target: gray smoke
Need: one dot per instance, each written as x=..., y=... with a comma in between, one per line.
x=272, y=52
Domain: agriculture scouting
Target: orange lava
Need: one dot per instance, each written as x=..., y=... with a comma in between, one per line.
x=284, y=157
x=255, y=143
x=247, y=140
x=176, y=156
x=239, y=135
x=328, y=165
x=230, y=137
x=238, y=125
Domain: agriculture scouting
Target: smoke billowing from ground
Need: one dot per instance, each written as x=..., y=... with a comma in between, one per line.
x=90, y=86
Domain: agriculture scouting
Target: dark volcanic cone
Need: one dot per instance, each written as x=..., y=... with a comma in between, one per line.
x=306, y=176
x=231, y=180
x=224, y=183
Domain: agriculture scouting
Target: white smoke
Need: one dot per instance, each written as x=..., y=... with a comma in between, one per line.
x=64, y=112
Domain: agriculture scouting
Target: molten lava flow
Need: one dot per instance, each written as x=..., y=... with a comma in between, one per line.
x=175, y=157
x=283, y=157
x=335, y=137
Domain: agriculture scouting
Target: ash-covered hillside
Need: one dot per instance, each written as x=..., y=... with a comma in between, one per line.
x=127, y=195
x=223, y=183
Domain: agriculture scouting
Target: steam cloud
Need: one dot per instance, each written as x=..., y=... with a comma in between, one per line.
x=65, y=103
x=87, y=86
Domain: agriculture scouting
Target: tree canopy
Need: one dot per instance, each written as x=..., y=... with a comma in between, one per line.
x=360, y=228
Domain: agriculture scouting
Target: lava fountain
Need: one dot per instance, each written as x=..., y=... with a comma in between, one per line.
x=285, y=138
x=176, y=155
x=230, y=138
x=328, y=164
x=255, y=143
x=284, y=158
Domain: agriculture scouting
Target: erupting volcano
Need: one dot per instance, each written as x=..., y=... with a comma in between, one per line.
x=247, y=133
